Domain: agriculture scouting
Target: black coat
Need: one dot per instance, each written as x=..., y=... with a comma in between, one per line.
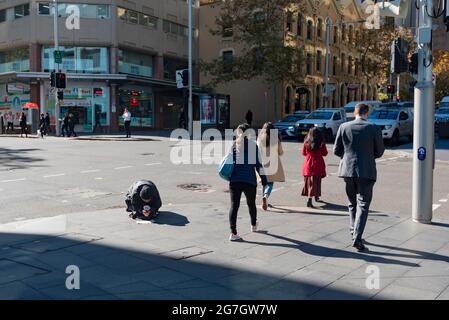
x=137, y=203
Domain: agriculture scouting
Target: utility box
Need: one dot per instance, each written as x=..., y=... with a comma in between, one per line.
x=443, y=130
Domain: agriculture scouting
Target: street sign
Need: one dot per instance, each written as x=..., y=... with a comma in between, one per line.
x=331, y=87
x=58, y=56
x=181, y=82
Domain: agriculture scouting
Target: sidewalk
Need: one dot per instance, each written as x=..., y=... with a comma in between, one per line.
x=302, y=254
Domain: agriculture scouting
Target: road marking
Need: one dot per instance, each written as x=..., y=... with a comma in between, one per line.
x=99, y=178
x=121, y=168
x=14, y=180
x=435, y=206
x=443, y=200
x=55, y=175
x=153, y=164
x=90, y=171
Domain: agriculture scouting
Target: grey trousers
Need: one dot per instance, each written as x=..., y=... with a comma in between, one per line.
x=360, y=194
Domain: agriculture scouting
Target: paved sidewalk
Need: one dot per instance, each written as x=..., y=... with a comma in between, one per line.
x=299, y=254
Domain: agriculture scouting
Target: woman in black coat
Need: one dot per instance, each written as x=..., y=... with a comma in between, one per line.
x=23, y=125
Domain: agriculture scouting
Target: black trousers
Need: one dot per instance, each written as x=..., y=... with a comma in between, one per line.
x=128, y=128
x=236, y=189
x=10, y=125
x=360, y=195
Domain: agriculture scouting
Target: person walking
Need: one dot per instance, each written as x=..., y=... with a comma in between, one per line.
x=313, y=168
x=23, y=125
x=358, y=144
x=65, y=125
x=47, y=123
x=271, y=150
x=42, y=126
x=127, y=120
x=249, y=117
x=9, y=122
x=243, y=178
x=97, y=121
x=71, y=124
x=2, y=124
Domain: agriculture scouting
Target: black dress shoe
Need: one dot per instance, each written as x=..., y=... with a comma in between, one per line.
x=309, y=204
x=359, y=246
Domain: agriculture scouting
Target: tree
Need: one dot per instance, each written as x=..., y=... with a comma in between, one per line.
x=258, y=29
x=441, y=70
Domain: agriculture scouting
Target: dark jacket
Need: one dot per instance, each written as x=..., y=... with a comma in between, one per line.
x=23, y=121
x=358, y=144
x=47, y=121
x=137, y=203
x=247, y=163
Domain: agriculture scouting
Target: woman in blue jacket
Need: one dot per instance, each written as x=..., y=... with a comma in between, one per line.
x=243, y=179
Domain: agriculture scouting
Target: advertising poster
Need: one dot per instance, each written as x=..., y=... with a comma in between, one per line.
x=207, y=110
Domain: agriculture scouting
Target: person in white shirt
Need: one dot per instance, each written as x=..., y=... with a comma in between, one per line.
x=127, y=118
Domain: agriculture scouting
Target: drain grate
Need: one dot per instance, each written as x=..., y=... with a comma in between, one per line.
x=196, y=187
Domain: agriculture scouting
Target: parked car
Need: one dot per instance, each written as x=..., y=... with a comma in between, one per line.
x=329, y=119
x=441, y=115
x=406, y=104
x=349, y=107
x=395, y=123
x=444, y=103
x=289, y=122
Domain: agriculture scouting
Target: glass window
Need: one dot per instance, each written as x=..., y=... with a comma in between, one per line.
x=135, y=63
x=121, y=13
x=319, y=58
x=175, y=28
x=319, y=29
x=140, y=103
x=21, y=11
x=43, y=8
x=147, y=21
x=2, y=15
x=309, y=64
x=228, y=57
x=133, y=17
x=15, y=60
x=87, y=11
x=78, y=60
x=309, y=30
x=299, y=25
x=335, y=34
x=170, y=67
x=289, y=21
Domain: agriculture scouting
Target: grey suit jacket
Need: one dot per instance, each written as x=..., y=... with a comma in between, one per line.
x=358, y=144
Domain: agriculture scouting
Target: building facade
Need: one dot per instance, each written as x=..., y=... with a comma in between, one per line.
x=125, y=53
x=308, y=29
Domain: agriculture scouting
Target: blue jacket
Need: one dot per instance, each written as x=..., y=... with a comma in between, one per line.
x=246, y=164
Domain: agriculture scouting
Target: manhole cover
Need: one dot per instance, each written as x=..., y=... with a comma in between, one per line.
x=198, y=187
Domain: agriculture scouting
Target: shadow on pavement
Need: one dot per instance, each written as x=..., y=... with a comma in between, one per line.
x=15, y=159
x=34, y=266
x=327, y=206
x=172, y=219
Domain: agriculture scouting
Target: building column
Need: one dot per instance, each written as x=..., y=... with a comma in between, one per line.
x=114, y=102
x=158, y=67
x=35, y=57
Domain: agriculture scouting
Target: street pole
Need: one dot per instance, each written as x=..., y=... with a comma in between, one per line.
x=423, y=146
x=398, y=85
x=190, y=106
x=326, y=75
x=56, y=65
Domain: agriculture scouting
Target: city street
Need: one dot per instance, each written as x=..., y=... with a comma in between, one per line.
x=82, y=183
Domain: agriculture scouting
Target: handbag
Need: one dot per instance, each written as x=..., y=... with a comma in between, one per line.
x=226, y=166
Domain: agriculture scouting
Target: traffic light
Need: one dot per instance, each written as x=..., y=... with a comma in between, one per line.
x=61, y=80
x=390, y=89
x=399, y=52
x=60, y=95
x=185, y=78
x=53, y=79
x=413, y=66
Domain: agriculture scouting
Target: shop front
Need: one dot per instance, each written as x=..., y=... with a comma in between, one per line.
x=139, y=100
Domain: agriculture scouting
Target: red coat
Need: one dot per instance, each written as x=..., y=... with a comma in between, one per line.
x=313, y=164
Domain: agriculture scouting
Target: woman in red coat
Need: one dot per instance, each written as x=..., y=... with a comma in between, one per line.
x=313, y=168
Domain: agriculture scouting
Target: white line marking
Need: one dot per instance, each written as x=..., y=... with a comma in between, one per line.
x=55, y=175
x=14, y=180
x=99, y=178
x=443, y=200
x=435, y=206
x=153, y=164
x=121, y=168
x=90, y=171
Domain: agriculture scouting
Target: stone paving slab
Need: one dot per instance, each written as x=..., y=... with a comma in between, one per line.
x=300, y=254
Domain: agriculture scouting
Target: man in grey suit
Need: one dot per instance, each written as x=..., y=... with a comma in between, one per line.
x=358, y=144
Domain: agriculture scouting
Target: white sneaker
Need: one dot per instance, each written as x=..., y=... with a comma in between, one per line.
x=234, y=237
x=254, y=228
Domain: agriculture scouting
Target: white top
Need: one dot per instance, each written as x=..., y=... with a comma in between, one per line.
x=127, y=116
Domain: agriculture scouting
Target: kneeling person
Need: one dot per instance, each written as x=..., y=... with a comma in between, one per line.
x=143, y=200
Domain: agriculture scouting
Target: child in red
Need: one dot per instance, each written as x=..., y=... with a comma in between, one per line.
x=313, y=168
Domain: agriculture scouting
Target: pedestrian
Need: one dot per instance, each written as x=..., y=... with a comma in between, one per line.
x=243, y=179
x=42, y=125
x=270, y=146
x=97, y=121
x=2, y=124
x=23, y=125
x=71, y=124
x=127, y=120
x=313, y=167
x=47, y=123
x=143, y=200
x=65, y=125
x=9, y=122
x=358, y=144
x=182, y=119
x=249, y=117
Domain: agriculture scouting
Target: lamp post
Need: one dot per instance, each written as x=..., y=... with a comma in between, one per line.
x=190, y=103
x=56, y=66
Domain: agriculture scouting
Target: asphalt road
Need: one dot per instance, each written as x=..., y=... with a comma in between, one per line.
x=53, y=176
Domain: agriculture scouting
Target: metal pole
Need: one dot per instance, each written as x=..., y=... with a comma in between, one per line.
x=398, y=85
x=423, y=146
x=190, y=106
x=56, y=65
x=326, y=75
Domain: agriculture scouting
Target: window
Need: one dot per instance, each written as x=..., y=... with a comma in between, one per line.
x=309, y=64
x=299, y=25
x=15, y=60
x=335, y=34
x=343, y=33
x=334, y=65
x=147, y=21
x=175, y=28
x=337, y=116
x=87, y=11
x=170, y=67
x=403, y=116
x=351, y=34
x=356, y=71
x=319, y=28
x=78, y=59
x=319, y=58
x=21, y=11
x=133, y=17
x=228, y=57
x=350, y=62
x=227, y=30
x=135, y=63
x=289, y=21
x=343, y=57
x=43, y=9
x=309, y=30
